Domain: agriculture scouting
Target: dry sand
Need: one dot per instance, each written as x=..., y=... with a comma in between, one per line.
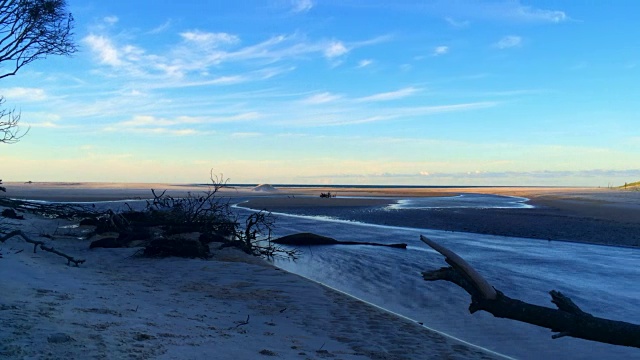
x=232, y=306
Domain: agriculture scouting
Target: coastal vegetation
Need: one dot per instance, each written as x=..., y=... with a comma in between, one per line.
x=167, y=226
x=631, y=186
x=186, y=226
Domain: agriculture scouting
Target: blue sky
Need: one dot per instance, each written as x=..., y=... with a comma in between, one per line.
x=458, y=92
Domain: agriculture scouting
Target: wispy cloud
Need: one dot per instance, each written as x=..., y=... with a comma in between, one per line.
x=440, y=50
x=491, y=10
x=43, y=120
x=111, y=20
x=104, y=49
x=321, y=98
x=245, y=135
x=528, y=13
x=200, y=55
x=159, y=131
x=335, y=49
x=202, y=38
x=147, y=120
x=179, y=125
x=301, y=6
x=161, y=28
x=337, y=117
x=364, y=63
x=507, y=42
x=456, y=23
x=24, y=94
x=510, y=10
x=392, y=95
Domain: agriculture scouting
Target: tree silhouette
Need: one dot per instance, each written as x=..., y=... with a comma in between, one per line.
x=30, y=30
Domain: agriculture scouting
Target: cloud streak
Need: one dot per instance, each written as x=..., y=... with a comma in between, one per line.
x=24, y=94
x=440, y=50
x=388, y=96
x=201, y=54
x=301, y=6
x=500, y=10
x=321, y=98
x=508, y=42
x=351, y=116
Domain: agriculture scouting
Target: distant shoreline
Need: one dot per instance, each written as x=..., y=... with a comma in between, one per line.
x=592, y=215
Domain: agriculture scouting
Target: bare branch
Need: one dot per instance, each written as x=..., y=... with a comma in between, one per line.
x=9, y=128
x=567, y=320
x=42, y=245
x=30, y=30
x=484, y=288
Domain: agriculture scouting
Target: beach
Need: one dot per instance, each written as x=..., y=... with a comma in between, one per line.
x=237, y=306
x=232, y=306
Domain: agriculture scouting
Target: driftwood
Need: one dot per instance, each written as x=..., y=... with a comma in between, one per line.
x=42, y=246
x=304, y=239
x=567, y=320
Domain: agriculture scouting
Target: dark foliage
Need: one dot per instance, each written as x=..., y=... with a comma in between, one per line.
x=34, y=29
x=11, y=214
x=167, y=220
x=181, y=247
x=108, y=242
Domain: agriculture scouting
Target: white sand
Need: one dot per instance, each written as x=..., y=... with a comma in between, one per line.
x=230, y=307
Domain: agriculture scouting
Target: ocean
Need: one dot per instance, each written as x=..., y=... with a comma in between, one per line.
x=600, y=279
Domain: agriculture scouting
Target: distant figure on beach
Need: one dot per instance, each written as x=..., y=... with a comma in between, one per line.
x=327, y=195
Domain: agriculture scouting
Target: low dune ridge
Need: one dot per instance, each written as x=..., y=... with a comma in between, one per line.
x=265, y=188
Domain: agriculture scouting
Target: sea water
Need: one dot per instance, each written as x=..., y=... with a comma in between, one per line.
x=602, y=280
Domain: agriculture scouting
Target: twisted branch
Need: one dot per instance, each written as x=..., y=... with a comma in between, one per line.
x=42, y=246
x=567, y=320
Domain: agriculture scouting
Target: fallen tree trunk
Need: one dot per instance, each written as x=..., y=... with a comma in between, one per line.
x=305, y=239
x=567, y=320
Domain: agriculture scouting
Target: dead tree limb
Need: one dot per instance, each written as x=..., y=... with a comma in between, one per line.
x=567, y=320
x=42, y=246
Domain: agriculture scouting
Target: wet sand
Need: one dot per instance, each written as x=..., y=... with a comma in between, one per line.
x=595, y=215
x=602, y=216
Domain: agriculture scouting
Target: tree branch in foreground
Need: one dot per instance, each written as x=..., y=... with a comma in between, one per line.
x=42, y=245
x=567, y=320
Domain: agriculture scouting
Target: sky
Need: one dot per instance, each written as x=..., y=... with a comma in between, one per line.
x=460, y=92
